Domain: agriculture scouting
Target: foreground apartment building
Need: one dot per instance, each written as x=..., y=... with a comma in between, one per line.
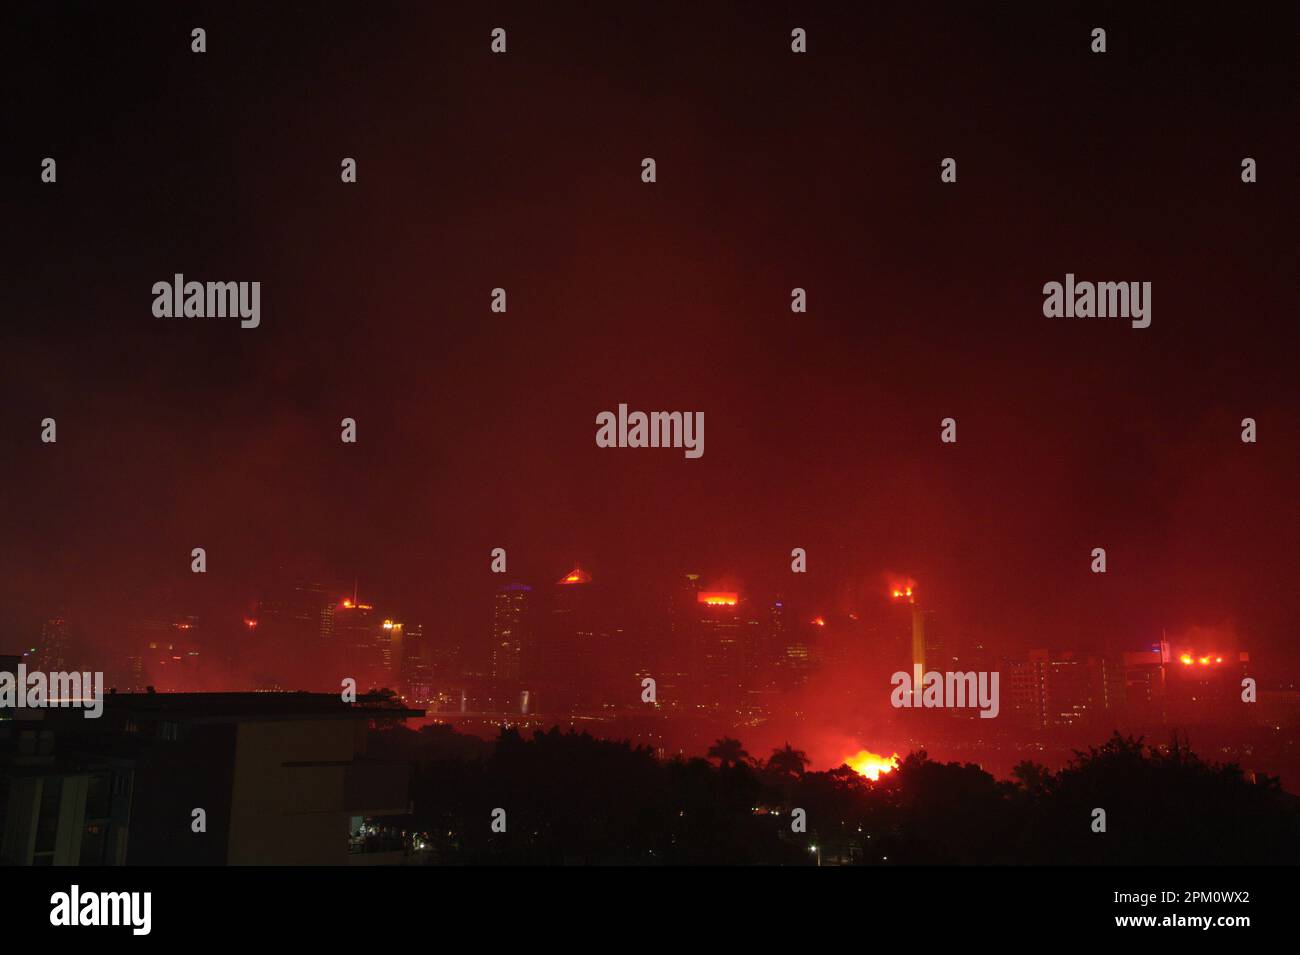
x=195, y=779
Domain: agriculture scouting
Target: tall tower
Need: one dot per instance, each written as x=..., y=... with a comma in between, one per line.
x=363, y=644
x=674, y=659
x=571, y=648
x=416, y=674
x=391, y=651
x=288, y=636
x=720, y=651
x=906, y=593
x=52, y=652
x=511, y=623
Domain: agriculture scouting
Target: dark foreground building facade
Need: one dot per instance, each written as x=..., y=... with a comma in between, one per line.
x=195, y=779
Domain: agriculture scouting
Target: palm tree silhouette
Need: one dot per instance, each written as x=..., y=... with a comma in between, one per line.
x=727, y=751
x=788, y=761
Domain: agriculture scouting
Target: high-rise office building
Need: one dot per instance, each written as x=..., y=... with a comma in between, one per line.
x=162, y=652
x=512, y=621
x=289, y=639
x=392, y=648
x=1204, y=685
x=363, y=645
x=571, y=653
x=416, y=679
x=1058, y=689
x=54, y=647
x=723, y=644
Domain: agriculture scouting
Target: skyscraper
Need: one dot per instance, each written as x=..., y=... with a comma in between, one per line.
x=162, y=652
x=415, y=680
x=571, y=652
x=363, y=644
x=54, y=646
x=904, y=596
x=290, y=632
x=392, y=642
x=1052, y=689
x=720, y=650
x=512, y=608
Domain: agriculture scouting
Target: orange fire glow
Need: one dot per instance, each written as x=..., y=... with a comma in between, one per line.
x=718, y=599
x=819, y=621
x=871, y=765
x=902, y=589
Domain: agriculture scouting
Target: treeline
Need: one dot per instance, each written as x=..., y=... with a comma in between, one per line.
x=569, y=798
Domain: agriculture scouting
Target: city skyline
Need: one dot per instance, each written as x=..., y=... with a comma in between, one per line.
x=723, y=660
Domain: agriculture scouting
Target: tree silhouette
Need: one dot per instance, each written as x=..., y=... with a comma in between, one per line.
x=787, y=761
x=1164, y=806
x=1034, y=778
x=727, y=751
x=575, y=799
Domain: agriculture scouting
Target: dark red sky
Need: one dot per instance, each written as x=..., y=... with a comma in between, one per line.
x=775, y=170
